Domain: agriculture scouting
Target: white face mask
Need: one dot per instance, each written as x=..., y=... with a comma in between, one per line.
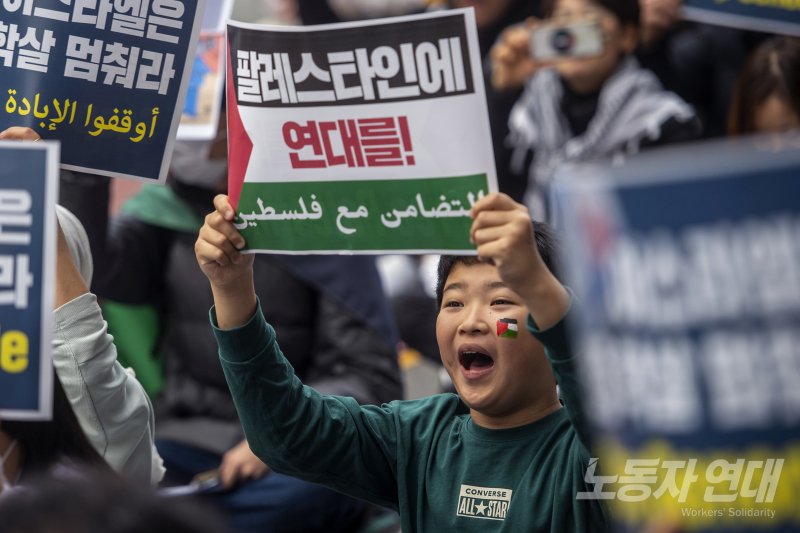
x=5, y=484
x=191, y=164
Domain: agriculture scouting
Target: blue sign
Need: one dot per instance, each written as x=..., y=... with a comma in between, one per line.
x=772, y=16
x=105, y=78
x=28, y=190
x=686, y=263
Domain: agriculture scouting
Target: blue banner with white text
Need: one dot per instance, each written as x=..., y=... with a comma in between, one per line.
x=771, y=16
x=28, y=185
x=103, y=77
x=686, y=263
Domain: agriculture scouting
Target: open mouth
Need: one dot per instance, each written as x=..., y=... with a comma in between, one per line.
x=475, y=360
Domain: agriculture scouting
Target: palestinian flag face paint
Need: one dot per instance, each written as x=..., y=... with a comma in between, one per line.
x=507, y=328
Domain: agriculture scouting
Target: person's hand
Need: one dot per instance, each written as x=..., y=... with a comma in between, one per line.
x=240, y=464
x=512, y=63
x=217, y=247
x=19, y=133
x=657, y=17
x=228, y=270
x=503, y=233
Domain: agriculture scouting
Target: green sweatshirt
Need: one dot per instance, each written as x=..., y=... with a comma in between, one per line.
x=425, y=458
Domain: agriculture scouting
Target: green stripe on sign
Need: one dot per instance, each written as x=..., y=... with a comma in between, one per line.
x=380, y=215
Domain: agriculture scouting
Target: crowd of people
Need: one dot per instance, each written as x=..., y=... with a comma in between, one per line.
x=287, y=394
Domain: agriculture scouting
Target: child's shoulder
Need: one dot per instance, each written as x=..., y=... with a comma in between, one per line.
x=441, y=400
x=430, y=411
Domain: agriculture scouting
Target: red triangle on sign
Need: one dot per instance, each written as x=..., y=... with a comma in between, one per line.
x=239, y=144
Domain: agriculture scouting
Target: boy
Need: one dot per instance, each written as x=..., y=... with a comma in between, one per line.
x=503, y=455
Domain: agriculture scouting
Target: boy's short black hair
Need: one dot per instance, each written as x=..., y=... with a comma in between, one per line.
x=627, y=12
x=546, y=242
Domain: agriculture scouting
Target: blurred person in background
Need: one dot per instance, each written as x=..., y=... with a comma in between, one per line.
x=59, y=445
x=700, y=62
x=767, y=94
x=492, y=17
x=48, y=447
x=577, y=109
x=110, y=404
x=99, y=503
x=331, y=309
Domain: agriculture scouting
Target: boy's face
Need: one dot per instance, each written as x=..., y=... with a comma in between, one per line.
x=589, y=74
x=496, y=376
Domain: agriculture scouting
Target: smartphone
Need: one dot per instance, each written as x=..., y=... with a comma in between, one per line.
x=579, y=39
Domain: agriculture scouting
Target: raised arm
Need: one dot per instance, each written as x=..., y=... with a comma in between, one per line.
x=503, y=232
x=111, y=406
x=228, y=270
x=292, y=428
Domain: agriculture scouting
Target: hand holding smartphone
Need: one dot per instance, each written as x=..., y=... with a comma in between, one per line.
x=577, y=39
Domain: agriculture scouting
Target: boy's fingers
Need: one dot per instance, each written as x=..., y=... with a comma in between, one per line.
x=217, y=222
x=208, y=253
x=484, y=235
x=494, y=202
x=486, y=219
x=223, y=206
x=495, y=250
x=221, y=241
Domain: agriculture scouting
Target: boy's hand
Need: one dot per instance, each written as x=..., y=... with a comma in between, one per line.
x=229, y=271
x=503, y=233
x=217, y=247
x=512, y=63
x=19, y=133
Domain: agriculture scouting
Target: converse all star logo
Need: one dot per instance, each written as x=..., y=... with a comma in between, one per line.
x=483, y=502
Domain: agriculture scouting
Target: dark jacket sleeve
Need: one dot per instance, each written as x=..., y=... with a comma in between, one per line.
x=351, y=358
x=128, y=254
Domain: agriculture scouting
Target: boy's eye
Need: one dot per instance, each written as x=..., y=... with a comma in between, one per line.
x=501, y=301
x=452, y=303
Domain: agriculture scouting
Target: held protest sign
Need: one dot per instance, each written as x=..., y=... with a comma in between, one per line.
x=361, y=137
x=28, y=190
x=104, y=78
x=773, y=16
x=687, y=268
